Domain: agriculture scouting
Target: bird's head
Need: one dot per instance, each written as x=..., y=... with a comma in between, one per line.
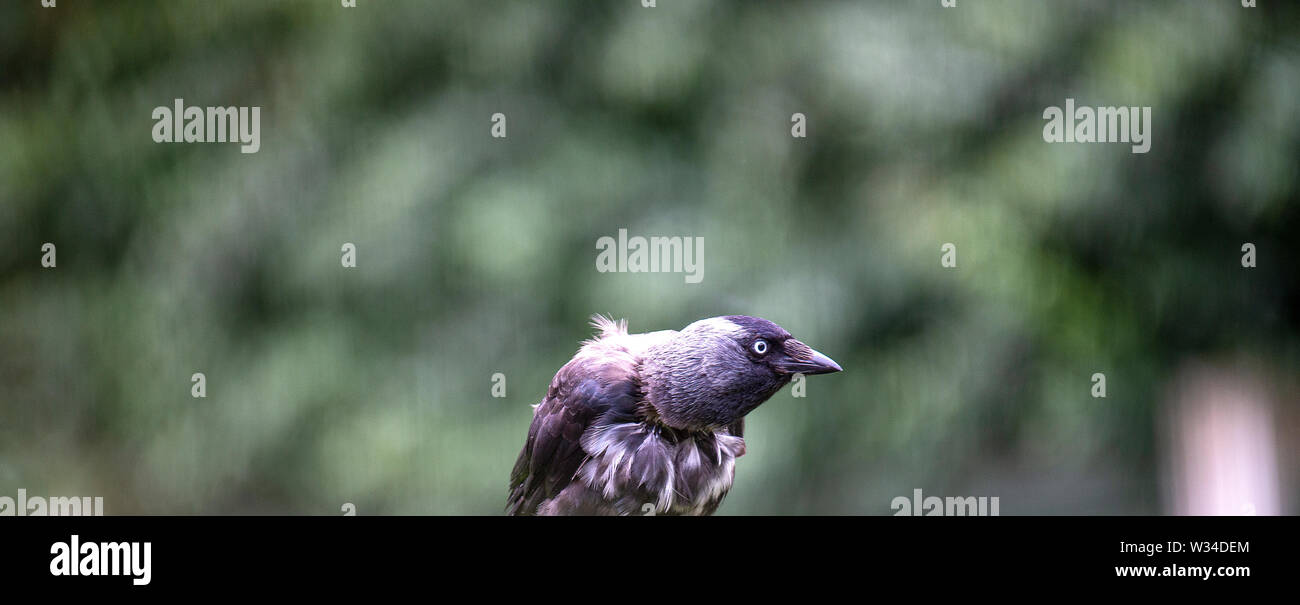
x=716, y=370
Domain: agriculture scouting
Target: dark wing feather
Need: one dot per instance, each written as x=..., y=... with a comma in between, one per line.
x=583, y=393
x=737, y=428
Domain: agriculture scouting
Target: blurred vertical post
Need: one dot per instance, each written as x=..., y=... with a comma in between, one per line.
x=1220, y=449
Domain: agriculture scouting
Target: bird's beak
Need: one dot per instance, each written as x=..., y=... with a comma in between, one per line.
x=816, y=364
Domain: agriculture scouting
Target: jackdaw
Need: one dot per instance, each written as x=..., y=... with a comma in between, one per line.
x=652, y=423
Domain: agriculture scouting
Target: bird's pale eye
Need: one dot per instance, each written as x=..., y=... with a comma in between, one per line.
x=760, y=347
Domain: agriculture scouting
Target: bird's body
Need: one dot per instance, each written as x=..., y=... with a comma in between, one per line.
x=653, y=423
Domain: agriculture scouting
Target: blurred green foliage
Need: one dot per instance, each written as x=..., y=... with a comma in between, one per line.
x=476, y=255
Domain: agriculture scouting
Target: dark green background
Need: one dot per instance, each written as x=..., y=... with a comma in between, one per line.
x=476, y=255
